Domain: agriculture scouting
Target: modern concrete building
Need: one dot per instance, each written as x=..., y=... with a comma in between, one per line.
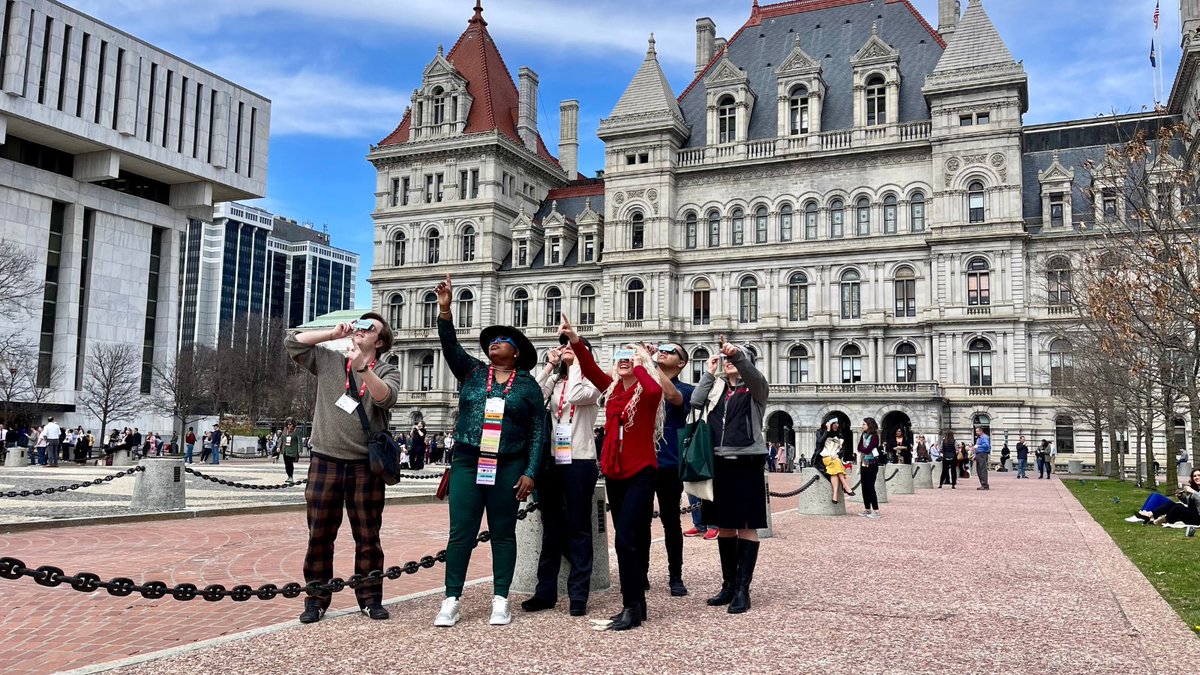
x=111, y=147
x=842, y=187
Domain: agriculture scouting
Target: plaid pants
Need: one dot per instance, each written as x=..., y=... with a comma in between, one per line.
x=333, y=485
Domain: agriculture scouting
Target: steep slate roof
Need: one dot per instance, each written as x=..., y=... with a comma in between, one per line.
x=649, y=91
x=496, y=104
x=831, y=31
x=975, y=44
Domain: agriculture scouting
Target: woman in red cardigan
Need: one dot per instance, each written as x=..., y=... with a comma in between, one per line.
x=633, y=424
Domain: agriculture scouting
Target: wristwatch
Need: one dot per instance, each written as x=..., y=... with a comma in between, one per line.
x=361, y=370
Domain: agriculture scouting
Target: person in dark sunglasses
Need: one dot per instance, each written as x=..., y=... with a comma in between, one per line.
x=677, y=395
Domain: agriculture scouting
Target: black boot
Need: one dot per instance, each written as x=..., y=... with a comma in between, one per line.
x=630, y=617
x=641, y=612
x=728, y=548
x=747, y=558
x=313, y=610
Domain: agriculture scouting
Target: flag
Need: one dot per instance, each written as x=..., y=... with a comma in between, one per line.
x=1153, y=58
x=1156, y=15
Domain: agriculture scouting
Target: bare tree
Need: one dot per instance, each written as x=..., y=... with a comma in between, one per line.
x=19, y=285
x=16, y=355
x=111, y=383
x=180, y=389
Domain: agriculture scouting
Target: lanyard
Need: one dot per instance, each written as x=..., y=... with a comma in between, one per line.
x=562, y=399
x=492, y=378
x=363, y=389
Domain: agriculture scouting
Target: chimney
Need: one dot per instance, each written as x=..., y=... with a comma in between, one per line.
x=706, y=37
x=719, y=45
x=949, y=12
x=527, y=116
x=568, y=137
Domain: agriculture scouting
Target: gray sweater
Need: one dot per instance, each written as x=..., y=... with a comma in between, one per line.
x=706, y=395
x=336, y=433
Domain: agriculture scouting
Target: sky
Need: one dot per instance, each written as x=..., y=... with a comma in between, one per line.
x=339, y=74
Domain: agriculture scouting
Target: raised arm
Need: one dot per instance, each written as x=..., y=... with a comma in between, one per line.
x=752, y=378
x=461, y=363
x=579, y=390
x=702, y=391
x=583, y=357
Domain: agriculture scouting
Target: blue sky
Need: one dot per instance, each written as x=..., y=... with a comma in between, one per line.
x=339, y=74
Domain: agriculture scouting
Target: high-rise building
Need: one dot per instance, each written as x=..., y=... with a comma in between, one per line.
x=109, y=146
x=248, y=267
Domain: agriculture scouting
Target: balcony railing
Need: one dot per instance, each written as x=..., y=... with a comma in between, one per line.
x=842, y=139
x=1059, y=309
x=979, y=391
x=858, y=388
x=979, y=311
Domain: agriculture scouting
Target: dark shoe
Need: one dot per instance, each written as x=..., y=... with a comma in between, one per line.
x=747, y=559
x=376, y=612
x=629, y=617
x=641, y=613
x=728, y=549
x=578, y=608
x=536, y=604
x=678, y=590
x=850, y=494
x=313, y=611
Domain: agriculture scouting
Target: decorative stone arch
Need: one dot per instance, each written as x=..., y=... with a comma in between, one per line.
x=891, y=344
x=690, y=281
x=890, y=269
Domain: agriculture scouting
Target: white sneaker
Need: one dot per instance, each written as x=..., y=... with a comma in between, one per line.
x=501, y=616
x=865, y=514
x=1134, y=519
x=449, y=614
x=874, y=514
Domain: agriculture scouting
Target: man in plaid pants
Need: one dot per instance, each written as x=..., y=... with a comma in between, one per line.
x=339, y=475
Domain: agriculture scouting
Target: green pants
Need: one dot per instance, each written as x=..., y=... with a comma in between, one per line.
x=467, y=504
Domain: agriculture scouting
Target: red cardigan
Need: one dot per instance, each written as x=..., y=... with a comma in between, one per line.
x=623, y=459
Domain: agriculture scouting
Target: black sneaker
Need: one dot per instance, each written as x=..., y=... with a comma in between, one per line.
x=678, y=590
x=313, y=611
x=536, y=604
x=377, y=612
x=578, y=608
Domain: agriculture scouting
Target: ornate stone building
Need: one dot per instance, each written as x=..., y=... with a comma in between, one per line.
x=842, y=187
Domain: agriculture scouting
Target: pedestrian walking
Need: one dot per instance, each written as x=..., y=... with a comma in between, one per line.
x=290, y=444
x=950, y=458
x=339, y=475
x=870, y=456
x=983, y=449
x=1022, y=457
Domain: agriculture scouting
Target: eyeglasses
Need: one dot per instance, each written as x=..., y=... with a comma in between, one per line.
x=666, y=349
x=504, y=339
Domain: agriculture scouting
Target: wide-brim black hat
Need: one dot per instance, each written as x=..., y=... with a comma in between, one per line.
x=526, y=352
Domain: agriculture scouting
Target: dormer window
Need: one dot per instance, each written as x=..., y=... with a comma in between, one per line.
x=439, y=105
x=589, y=247
x=876, y=101
x=726, y=120
x=555, y=250
x=522, y=253
x=798, y=111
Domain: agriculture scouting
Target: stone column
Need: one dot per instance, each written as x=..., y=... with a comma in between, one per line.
x=903, y=483
x=529, y=550
x=924, y=477
x=880, y=485
x=817, y=499
x=160, y=486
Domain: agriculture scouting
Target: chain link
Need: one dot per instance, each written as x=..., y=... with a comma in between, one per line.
x=73, y=486
x=421, y=476
x=244, y=486
x=793, y=493
x=889, y=478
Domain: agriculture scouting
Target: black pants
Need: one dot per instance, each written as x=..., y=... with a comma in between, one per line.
x=632, y=502
x=669, y=489
x=867, y=476
x=949, y=473
x=1178, y=513
x=416, y=459
x=565, y=494
x=289, y=465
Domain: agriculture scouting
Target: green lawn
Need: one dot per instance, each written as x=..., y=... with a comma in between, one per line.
x=1169, y=560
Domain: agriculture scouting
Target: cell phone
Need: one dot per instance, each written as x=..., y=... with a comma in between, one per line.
x=623, y=354
x=362, y=324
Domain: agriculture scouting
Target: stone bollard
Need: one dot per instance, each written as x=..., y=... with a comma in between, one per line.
x=1075, y=466
x=1183, y=472
x=122, y=458
x=529, y=549
x=924, y=477
x=880, y=485
x=902, y=483
x=767, y=532
x=159, y=486
x=17, y=456
x=816, y=500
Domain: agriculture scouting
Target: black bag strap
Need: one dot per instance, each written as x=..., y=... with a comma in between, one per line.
x=362, y=414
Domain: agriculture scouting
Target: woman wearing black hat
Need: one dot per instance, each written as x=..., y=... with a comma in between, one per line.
x=497, y=447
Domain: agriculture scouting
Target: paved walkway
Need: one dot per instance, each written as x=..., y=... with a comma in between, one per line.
x=1015, y=580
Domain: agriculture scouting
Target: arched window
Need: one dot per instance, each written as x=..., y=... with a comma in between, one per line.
x=810, y=220
x=737, y=221
x=439, y=105
x=798, y=111
x=396, y=311
x=1064, y=434
x=726, y=120
x=699, y=363
x=468, y=248
x=837, y=218
x=1062, y=365
x=862, y=217
x=798, y=297
x=521, y=308
x=851, y=364
x=916, y=212
x=587, y=305
x=981, y=421
x=851, y=295
x=399, y=250
x=760, y=225
x=889, y=214
x=429, y=310
x=979, y=362
x=906, y=362
x=748, y=300
x=714, y=229
x=979, y=291
x=797, y=365
x=975, y=210
x=701, y=303
x=690, y=230
x=433, y=243
x=553, y=307
x=425, y=372
x=637, y=230
x=876, y=101
x=466, y=308
x=1058, y=282
x=785, y=222
x=635, y=300
x=906, y=292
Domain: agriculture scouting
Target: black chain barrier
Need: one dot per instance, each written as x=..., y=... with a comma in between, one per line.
x=421, y=476
x=793, y=493
x=916, y=470
x=73, y=486
x=889, y=478
x=244, y=486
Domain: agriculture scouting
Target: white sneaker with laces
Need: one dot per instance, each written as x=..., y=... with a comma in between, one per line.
x=449, y=614
x=865, y=513
x=501, y=616
x=873, y=515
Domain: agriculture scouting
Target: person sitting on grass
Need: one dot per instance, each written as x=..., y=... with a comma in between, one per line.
x=1160, y=511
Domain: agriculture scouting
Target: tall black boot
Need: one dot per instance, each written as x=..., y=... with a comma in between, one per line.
x=747, y=558
x=728, y=548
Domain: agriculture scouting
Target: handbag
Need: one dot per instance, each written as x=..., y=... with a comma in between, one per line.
x=443, y=488
x=696, y=458
x=382, y=450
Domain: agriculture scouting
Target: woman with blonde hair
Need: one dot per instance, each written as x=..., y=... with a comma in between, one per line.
x=633, y=424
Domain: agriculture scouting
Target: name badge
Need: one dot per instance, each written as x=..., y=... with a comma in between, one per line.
x=562, y=444
x=346, y=403
x=489, y=441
